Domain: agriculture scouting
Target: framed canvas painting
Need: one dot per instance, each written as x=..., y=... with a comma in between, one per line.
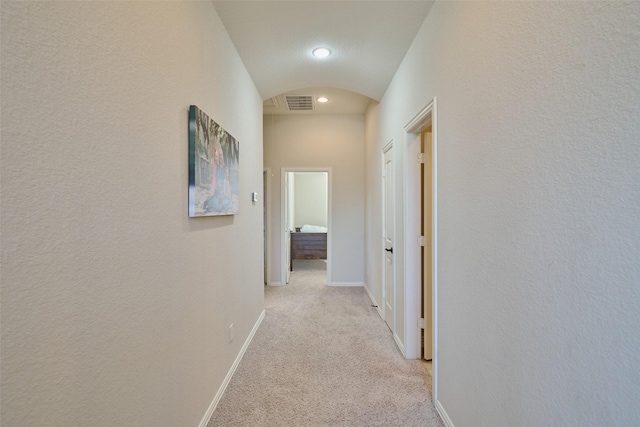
x=214, y=161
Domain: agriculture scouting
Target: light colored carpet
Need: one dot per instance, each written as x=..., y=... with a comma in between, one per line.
x=323, y=357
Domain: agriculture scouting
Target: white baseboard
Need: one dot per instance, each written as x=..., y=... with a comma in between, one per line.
x=399, y=344
x=443, y=414
x=346, y=284
x=275, y=284
x=373, y=300
x=225, y=383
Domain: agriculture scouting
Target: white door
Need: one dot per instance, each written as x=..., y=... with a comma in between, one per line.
x=287, y=230
x=388, y=238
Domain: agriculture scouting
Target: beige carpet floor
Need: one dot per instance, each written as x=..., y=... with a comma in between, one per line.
x=324, y=357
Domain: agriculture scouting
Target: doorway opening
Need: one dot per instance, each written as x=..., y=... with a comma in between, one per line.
x=422, y=259
x=306, y=221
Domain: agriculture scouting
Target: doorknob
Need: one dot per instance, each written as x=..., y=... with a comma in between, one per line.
x=389, y=250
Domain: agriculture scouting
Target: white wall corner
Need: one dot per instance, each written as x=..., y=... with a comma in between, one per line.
x=232, y=370
x=443, y=414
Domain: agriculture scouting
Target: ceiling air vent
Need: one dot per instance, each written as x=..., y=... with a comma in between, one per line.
x=299, y=102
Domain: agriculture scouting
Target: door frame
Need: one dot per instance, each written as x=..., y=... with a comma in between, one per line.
x=266, y=203
x=289, y=201
x=421, y=122
x=283, y=261
x=387, y=147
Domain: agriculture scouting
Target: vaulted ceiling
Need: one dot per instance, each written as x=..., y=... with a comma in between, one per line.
x=368, y=40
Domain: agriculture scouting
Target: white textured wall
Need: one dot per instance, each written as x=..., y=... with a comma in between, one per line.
x=311, y=198
x=115, y=305
x=373, y=205
x=314, y=142
x=539, y=206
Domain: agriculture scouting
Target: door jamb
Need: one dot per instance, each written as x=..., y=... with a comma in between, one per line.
x=267, y=218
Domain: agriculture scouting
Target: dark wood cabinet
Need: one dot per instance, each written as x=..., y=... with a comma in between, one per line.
x=308, y=246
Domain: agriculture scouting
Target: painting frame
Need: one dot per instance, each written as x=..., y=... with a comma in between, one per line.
x=214, y=167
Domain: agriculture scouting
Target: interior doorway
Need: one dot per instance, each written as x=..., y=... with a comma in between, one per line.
x=306, y=207
x=421, y=218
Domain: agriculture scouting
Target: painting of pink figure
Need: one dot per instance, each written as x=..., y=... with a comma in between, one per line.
x=214, y=161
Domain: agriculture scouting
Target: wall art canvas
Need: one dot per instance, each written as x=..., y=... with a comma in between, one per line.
x=214, y=161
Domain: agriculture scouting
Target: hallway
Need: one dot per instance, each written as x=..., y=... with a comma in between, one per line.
x=118, y=309
x=323, y=357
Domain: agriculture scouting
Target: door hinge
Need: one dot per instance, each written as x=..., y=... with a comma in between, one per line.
x=421, y=241
x=421, y=323
x=421, y=157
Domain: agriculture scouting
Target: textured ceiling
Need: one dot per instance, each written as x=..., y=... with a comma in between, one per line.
x=368, y=39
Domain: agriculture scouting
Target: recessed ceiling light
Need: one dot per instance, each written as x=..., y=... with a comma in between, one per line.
x=321, y=52
x=323, y=99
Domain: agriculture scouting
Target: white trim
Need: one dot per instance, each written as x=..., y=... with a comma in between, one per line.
x=422, y=120
x=434, y=142
x=443, y=414
x=373, y=300
x=399, y=344
x=283, y=226
x=232, y=370
x=275, y=283
x=266, y=200
x=346, y=284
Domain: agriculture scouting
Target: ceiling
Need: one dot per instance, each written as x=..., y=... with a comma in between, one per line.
x=368, y=39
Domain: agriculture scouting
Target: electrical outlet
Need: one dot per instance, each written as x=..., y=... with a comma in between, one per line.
x=230, y=333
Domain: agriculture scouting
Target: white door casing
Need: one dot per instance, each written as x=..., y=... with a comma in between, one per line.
x=388, y=221
x=286, y=228
x=265, y=218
